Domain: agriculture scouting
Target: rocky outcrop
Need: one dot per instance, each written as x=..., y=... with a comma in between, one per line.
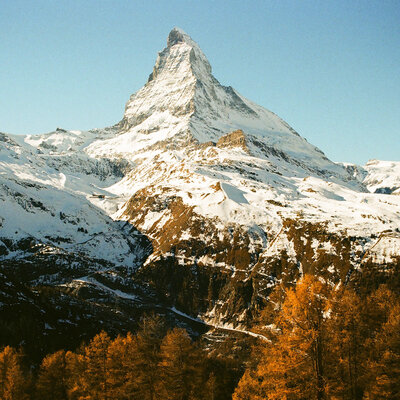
x=234, y=139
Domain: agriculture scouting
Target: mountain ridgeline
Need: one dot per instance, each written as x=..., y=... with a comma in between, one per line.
x=195, y=206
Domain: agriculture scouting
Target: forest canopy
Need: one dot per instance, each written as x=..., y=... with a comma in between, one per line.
x=326, y=342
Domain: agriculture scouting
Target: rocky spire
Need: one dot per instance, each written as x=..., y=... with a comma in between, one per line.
x=181, y=51
x=171, y=86
x=177, y=35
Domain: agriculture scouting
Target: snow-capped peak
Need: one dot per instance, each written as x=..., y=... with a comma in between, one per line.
x=183, y=56
x=182, y=103
x=171, y=86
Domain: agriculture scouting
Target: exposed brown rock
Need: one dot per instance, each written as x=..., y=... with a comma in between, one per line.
x=233, y=139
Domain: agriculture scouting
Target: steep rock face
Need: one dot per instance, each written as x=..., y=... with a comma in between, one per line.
x=233, y=139
x=198, y=265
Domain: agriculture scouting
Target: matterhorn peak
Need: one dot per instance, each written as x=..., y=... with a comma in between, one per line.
x=177, y=35
x=182, y=56
x=171, y=87
x=183, y=103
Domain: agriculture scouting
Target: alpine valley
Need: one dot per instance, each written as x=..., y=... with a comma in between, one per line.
x=194, y=206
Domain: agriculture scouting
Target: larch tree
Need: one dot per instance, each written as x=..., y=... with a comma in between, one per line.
x=75, y=374
x=133, y=361
x=52, y=379
x=143, y=358
x=385, y=363
x=294, y=366
x=181, y=367
x=252, y=385
x=211, y=386
x=349, y=333
x=13, y=381
x=119, y=370
x=95, y=377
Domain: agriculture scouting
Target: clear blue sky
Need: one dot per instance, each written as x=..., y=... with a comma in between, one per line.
x=331, y=69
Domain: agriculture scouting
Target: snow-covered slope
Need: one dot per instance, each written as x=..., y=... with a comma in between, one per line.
x=377, y=176
x=48, y=198
x=383, y=176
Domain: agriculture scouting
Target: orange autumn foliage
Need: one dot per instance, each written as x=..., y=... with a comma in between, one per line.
x=294, y=367
x=52, y=378
x=330, y=344
x=151, y=365
x=13, y=381
x=180, y=367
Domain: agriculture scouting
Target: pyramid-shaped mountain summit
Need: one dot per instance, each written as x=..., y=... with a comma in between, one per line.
x=198, y=201
x=182, y=84
x=182, y=92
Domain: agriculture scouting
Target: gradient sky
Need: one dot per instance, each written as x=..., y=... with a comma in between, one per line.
x=331, y=69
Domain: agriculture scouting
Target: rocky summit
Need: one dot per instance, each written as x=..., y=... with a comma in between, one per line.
x=195, y=205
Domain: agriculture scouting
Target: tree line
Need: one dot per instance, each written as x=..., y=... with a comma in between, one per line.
x=153, y=364
x=326, y=342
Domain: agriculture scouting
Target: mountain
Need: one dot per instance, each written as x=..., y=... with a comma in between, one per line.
x=197, y=203
x=382, y=176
